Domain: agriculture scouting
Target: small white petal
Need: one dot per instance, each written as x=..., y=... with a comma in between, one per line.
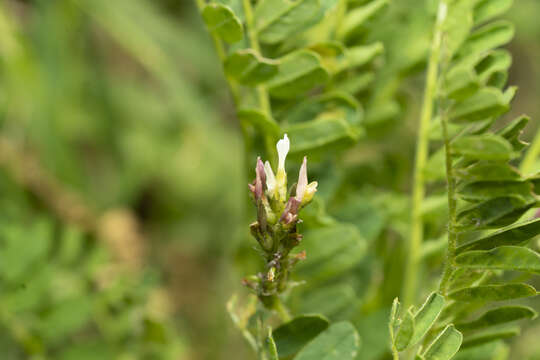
x=270, y=178
x=282, y=146
x=302, y=181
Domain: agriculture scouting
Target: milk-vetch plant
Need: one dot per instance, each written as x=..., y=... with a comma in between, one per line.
x=316, y=71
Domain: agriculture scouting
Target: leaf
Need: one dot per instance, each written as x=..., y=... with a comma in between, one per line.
x=461, y=83
x=488, y=336
x=260, y=120
x=334, y=104
x=501, y=315
x=457, y=25
x=326, y=258
x=321, y=135
x=503, y=258
x=445, y=346
x=271, y=347
x=405, y=332
x=220, y=19
x=358, y=16
x=359, y=55
x=486, y=103
x=494, y=61
x=496, y=212
x=249, y=68
x=295, y=334
x=331, y=301
x=483, y=147
x=339, y=342
x=493, y=292
x=486, y=10
x=484, y=190
x=515, y=235
x=488, y=171
x=298, y=73
x=276, y=20
x=426, y=316
x=486, y=38
x=513, y=130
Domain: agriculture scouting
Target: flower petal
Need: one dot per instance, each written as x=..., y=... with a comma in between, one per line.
x=283, y=147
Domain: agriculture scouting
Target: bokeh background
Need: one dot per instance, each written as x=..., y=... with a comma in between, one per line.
x=123, y=198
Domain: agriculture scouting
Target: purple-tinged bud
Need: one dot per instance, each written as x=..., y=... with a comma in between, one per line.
x=290, y=214
x=260, y=180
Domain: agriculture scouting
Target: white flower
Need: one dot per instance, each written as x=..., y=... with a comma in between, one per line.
x=302, y=181
x=304, y=191
x=270, y=178
x=282, y=146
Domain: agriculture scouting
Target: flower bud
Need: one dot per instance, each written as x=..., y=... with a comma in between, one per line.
x=282, y=146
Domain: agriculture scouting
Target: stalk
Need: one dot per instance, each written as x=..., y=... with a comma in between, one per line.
x=262, y=93
x=422, y=147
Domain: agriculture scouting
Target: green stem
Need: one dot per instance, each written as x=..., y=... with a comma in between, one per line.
x=422, y=147
x=532, y=155
x=262, y=94
x=282, y=310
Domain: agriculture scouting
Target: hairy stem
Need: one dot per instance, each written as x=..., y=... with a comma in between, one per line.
x=422, y=146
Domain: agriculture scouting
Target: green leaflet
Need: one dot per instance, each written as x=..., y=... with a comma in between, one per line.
x=426, y=316
x=445, y=346
x=295, y=334
x=513, y=130
x=260, y=120
x=503, y=258
x=486, y=10
x=493, y=292
x=332, y=301
x=488, y=336
x=405, y=332
x=487, y=102
x=358, y=16
x=330, y=258
x=339, y=342
x=493, y=213
x=461, y=83
x=358, y=55
x=457, y=25
x=514, y=235
x=249, y=68
x=321, y=135
x=271, y=348
x=276, y=20
x=488, y=171
x=298, y=73
x=486, y=38
x=494, y=61
x=221, y=20
x=499, y=316
x=483, y=147
x=484, y=190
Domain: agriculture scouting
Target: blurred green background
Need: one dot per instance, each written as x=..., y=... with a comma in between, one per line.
x=123, y=197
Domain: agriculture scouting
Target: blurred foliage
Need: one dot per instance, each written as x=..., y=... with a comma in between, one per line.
x=116, y=115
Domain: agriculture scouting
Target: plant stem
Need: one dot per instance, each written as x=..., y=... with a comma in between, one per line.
x=422, y=147
x=282, y=310
x=532, y=154
x=262, y=94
